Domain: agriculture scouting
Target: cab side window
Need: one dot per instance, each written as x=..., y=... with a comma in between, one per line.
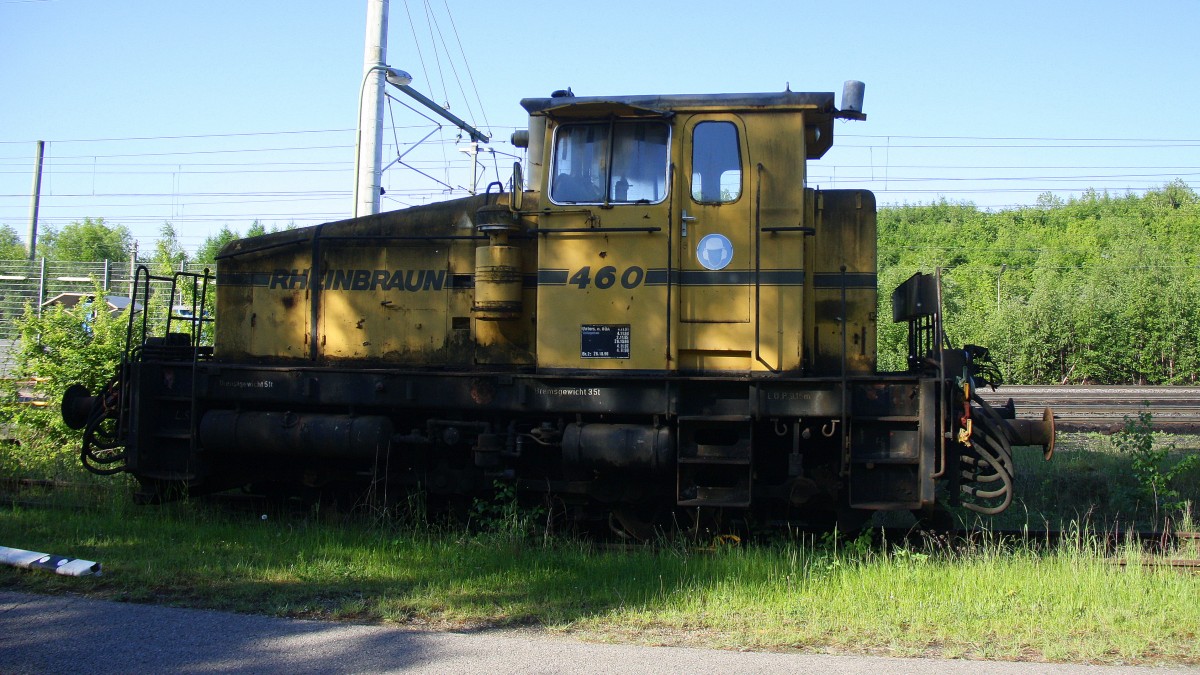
x=580, y=162
x=716, y=163
x=639, y=171
x=610, y=162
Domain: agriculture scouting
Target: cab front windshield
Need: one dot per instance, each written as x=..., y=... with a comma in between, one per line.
x=610, y=162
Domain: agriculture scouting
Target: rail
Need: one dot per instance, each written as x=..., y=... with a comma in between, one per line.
x=1104, y=408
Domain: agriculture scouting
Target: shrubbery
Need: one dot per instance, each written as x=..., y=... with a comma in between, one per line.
x=58, y=348
x=1153, y=465
x=1103, y=289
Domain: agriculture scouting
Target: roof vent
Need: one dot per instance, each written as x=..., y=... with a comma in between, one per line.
x=852, y=96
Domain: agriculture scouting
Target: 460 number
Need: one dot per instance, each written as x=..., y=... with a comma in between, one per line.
x=607, y=276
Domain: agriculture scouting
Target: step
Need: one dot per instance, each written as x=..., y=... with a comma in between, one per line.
x=715, y=496
x=887, y=419
x=715, y=459
x=179, y=435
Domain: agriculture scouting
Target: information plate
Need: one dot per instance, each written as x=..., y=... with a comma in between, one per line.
x=604, y=341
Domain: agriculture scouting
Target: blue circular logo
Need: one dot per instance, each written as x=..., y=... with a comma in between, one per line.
x=714, y=251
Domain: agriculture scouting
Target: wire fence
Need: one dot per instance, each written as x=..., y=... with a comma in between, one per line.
x=34, y=285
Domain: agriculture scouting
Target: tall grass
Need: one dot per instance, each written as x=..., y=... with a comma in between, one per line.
x=990, y=600
x=1074, y=600
x=1090, y=481
x=986, y=598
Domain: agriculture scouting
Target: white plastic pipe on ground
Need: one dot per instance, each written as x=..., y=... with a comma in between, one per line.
x=72, y=567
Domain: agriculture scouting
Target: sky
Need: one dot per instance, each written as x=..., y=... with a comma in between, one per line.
x=219, y=113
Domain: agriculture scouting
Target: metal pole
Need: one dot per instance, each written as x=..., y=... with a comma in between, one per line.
x=133, y=275
x=475, y=166
x=41, y=287
x=476, y=135
x=35, y=200
x=370, y=154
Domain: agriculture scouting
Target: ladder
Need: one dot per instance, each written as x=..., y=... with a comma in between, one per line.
x=714, y=461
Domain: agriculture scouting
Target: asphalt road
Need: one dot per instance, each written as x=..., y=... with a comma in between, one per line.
x=69, y=634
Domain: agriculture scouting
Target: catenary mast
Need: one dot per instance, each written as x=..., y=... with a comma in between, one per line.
x=370, y=150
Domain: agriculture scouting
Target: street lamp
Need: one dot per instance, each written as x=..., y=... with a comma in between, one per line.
x=397, y=78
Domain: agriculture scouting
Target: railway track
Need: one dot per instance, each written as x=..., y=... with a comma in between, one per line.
x=1104, y=408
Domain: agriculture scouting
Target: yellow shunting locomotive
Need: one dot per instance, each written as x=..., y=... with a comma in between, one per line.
x=660, y=316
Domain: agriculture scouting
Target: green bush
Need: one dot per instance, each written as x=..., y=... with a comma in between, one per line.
x=1153, y=466
x=504, y=515
x=58, y=348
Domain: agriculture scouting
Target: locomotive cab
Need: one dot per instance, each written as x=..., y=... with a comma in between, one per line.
x=676, y=234
x=662, y=316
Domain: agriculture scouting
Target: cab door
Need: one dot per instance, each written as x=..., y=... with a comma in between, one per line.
x=603, y=246
x=715, y=235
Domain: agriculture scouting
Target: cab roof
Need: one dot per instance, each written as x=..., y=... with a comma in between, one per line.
x=663, y=105
x=818, y=109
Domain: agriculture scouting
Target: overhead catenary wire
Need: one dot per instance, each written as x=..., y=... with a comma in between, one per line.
x=416, y=42
x=467, y=66
x=192, y=136
x=430, y=22
x=1022, y=138
x=193, y=170
x=450, y=61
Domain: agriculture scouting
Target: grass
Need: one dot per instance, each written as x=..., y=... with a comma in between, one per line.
x=989, y=599
x=1090, y=481
x=991, y=603
x=985, y=600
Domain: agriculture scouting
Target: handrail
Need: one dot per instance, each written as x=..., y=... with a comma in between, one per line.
x=757, y=273
x=259, y=249
x=845, y=378
x=397, y=237
x=559, y=230
x=758, y=230
x=808, y=231
x=198, y=328
x=670, y=260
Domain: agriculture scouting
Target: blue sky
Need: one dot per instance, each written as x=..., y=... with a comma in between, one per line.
x=218, y=113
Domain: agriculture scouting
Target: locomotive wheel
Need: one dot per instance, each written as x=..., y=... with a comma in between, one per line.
x=628, y=524
x=647, y=523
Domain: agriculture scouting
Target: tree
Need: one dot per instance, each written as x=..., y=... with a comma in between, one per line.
x=169, y=255
x=1102, y=288
x=87, y=241
x=11, y=247
x=207, y=253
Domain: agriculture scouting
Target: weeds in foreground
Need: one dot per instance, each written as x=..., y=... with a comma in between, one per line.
x=1155, y=474
x=988, y=597
x=1090, y=596
x=504, y=515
